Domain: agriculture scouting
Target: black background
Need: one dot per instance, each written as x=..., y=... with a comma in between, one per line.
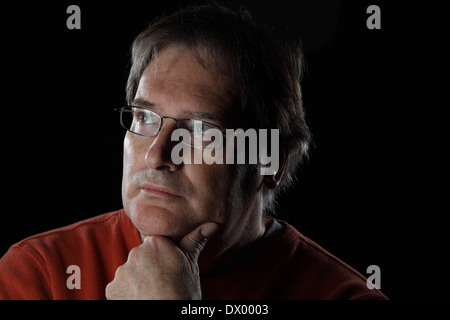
x=374, y=190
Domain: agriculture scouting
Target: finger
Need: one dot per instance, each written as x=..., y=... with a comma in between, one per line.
x=193, y=243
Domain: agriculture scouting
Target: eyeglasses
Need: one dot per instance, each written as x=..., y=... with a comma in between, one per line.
x=147, y=123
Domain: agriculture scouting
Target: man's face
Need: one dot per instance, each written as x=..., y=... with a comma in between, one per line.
x=162, y=198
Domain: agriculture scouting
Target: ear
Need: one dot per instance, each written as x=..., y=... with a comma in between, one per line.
x=272, y=181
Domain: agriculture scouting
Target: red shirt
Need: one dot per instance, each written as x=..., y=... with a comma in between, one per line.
x=289, y=267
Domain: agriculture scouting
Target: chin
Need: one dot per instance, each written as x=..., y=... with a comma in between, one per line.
x=157, y=221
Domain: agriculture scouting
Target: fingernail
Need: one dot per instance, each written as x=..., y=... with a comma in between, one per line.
x=208, y=230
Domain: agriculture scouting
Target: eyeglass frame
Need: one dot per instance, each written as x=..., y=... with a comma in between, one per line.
x=124, y=109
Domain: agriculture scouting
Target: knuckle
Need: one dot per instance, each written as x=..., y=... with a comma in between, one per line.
x=155, y=243
x=119, y=273
x=109, y=290
x=133, y=255
x=152, y=240
x=198, y=245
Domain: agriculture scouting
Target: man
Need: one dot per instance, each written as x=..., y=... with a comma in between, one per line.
x=193, y=230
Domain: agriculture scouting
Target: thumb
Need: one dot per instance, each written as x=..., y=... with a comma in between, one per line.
x=192, y=243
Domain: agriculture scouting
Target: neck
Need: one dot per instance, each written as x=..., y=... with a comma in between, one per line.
x=229, y=245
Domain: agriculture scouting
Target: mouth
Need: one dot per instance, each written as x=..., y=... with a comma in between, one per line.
x=157, y=191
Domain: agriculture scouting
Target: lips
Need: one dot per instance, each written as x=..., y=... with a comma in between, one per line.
x=158, y=191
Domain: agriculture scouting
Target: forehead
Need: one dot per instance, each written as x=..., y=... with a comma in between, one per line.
x=175, y=80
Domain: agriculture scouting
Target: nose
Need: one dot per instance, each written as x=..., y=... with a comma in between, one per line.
x=158, y=156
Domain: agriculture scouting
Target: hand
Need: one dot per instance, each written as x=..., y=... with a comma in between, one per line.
x=159, y=269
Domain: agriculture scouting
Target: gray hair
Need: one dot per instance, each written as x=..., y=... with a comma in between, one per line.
x=266, y=73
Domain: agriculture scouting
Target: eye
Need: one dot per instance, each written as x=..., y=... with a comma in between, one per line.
x=145, y=117
x=197, y=126
x=141, y=117
x=207, y=126
x=193, y=126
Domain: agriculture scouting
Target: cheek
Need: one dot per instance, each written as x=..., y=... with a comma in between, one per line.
x=133, y=160
x=233, y=188
x=212, y=187
x=134, y=151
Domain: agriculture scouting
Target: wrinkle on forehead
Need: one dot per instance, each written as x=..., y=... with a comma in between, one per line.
x=175, y=70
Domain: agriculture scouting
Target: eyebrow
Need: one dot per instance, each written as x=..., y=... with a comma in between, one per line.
x=215, y=116
x=144, y=104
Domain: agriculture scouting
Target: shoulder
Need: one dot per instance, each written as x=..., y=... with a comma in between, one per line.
x=105, y=237
x=36, y=267
x=73, y=232
x=321, y=273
